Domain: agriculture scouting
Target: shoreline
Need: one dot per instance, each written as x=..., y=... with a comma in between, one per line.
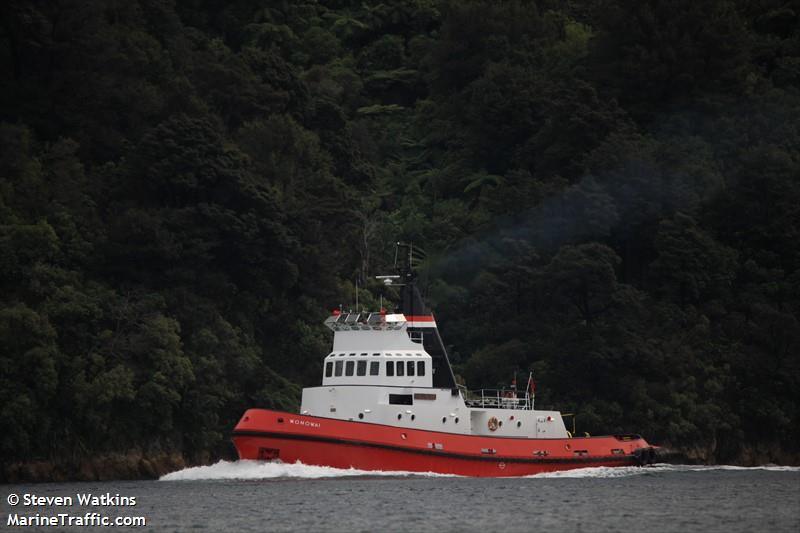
x=129, y=466
x=135, y=465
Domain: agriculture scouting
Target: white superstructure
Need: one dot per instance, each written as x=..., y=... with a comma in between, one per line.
x=379, y=372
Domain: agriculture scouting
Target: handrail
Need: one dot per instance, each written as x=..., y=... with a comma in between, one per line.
x=498, y=399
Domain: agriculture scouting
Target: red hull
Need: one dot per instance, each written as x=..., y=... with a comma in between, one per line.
x=266, y=435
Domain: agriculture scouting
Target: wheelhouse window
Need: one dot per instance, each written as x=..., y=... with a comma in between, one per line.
x=361, y=369
x=420, y=368
x=338, y=371
x=390, y=368
x=348, y=370
x=409, y=368
x=374, y=368
x=328, y=369
x=400, y=368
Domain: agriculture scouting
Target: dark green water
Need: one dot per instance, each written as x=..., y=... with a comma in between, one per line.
x=246, y=496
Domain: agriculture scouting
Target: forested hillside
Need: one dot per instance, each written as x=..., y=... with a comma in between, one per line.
x=608, y=192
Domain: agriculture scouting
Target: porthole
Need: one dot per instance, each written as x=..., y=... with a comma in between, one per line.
x=360, y=415
x=500, y=423
x=399, y=416
x=519, y=424
x=413, y=417
x=444, y=419
x=456, y=420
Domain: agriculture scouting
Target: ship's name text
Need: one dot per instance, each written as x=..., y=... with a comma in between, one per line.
x=304, y=423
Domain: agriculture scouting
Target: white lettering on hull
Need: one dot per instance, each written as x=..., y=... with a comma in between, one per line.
x=306, y=423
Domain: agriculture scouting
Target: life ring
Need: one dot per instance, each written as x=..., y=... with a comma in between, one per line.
x=493, y=424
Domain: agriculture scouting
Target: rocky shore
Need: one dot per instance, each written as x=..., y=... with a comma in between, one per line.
x=102, y=467
x=747, y=456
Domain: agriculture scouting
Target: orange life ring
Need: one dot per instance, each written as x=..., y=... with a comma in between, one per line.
x=493, y=424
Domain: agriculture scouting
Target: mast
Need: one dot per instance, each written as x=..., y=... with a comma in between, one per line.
x=412, y=305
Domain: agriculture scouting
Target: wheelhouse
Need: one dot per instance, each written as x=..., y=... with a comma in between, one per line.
x=393, y=368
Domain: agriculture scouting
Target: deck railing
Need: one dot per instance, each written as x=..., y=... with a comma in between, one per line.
x=497, y=398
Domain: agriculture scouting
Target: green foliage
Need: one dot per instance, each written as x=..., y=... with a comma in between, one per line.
x=608, y=194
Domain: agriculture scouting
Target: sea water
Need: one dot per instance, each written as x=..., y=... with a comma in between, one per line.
x=254, y=496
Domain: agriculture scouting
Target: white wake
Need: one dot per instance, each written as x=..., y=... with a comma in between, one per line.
x=245, y=469
x=625, y=471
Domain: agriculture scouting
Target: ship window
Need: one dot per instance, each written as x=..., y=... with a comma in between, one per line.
x=341, y=355
x=374, y=368
x=328, y=369
x=362, y=368
x=363, y=354
x=338, y=371
x=390, y=368
x=400, y=368
x=410, y=368
x=352, y=354
x=401, y=399
x=376, y=354
x=348, y=370
x=420, y=368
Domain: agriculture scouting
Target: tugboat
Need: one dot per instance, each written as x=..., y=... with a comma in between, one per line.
x=389, y=401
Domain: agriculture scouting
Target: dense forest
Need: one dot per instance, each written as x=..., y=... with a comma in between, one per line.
x=608, y=192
